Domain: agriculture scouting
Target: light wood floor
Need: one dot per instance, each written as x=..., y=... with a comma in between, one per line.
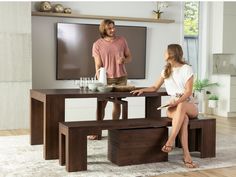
x=225, y=126
x=14, y=132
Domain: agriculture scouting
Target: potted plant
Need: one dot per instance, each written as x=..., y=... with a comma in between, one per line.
x=200, y=85
x=200, y=92
x=159, y=10
x=213, y=101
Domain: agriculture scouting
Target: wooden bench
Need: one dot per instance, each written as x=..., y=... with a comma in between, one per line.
x=73, y=138
x=201, y=136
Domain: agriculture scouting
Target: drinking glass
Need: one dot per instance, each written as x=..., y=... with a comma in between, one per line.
x=81, y=83
x=86, y=80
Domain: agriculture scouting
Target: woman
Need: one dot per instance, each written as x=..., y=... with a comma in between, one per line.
x=178, y=79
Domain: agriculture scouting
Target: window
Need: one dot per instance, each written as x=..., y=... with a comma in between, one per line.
x=191, y=33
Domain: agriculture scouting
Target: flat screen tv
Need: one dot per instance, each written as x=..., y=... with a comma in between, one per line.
x=74, y=50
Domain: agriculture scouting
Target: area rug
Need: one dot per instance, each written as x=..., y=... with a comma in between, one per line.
x=19, y=159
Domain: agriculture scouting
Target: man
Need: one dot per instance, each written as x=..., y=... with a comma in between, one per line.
x=112, y=53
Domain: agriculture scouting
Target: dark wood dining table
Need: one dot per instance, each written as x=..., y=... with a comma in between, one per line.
x=47, y=109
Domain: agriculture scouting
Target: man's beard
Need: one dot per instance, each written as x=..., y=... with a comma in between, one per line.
x=108, y=35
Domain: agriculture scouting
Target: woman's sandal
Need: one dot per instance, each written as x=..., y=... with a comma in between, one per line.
x=167, y=149
x=190, y=164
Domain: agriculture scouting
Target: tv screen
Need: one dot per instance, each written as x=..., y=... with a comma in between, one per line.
x=74, y=50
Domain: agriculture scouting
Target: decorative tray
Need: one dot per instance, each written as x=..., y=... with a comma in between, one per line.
x=123, y=88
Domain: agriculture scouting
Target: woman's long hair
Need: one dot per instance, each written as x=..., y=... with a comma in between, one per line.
x=175, y=53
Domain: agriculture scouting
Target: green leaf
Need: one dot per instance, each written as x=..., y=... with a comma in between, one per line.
x=213, y=97
x=200, y=85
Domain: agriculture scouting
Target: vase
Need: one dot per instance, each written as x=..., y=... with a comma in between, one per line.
x=212, y=103
x=158, y=15
x=201, y=99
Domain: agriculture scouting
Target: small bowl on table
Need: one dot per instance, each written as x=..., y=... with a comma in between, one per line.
x=93, y=86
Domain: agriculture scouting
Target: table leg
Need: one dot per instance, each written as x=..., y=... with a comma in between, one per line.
x=62, y=148
x=100, y=114
x=36, y=122
x=124, y=109
x=54, y=112
x=151, y=104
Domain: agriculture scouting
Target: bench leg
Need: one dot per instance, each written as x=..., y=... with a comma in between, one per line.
x=208, y=140
x=76, y=151
x=193, y=140
x=202, y=139
x=61, y=149
x=194, y=137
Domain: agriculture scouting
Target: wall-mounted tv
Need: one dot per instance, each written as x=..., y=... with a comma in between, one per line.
x=74, y=50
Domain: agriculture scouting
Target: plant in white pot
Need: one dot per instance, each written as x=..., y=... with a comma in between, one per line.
x=213, y=101
x=200, y=92
x=200, y=85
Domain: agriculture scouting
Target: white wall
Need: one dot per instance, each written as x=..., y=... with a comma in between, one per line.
x=15, y=64
x=223, y=27
x=158, y=37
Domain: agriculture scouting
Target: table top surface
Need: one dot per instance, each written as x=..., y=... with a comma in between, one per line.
x=87, y=93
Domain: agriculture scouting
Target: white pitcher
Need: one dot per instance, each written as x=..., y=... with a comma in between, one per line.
x=102, y=75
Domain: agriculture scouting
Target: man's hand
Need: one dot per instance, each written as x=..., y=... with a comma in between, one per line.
x=121, y=61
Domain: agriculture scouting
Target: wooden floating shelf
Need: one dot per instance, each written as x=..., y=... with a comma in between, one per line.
x=63, y=15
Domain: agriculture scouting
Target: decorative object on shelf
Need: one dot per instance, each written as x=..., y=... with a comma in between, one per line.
x=200, y=92
x=160, y=7
x=58, y=8
x=213, y=101
x=45, y=6
x=67, y=10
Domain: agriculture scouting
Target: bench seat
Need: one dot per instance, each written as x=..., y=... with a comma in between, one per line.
x=73, y=137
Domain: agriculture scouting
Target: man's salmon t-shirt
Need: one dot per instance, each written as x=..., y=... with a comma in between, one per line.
x=109, y=52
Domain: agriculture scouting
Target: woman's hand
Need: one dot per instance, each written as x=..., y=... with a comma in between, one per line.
x=173, y=103
x=137, y=92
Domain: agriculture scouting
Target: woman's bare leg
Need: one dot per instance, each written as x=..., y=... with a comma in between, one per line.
x=178, y=115
x=183, y=134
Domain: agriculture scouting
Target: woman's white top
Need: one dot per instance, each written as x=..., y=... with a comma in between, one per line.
x=175, y=84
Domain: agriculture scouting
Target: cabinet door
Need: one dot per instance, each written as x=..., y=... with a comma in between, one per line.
x=232, y=94
x=229, y=36
x=224, y=27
